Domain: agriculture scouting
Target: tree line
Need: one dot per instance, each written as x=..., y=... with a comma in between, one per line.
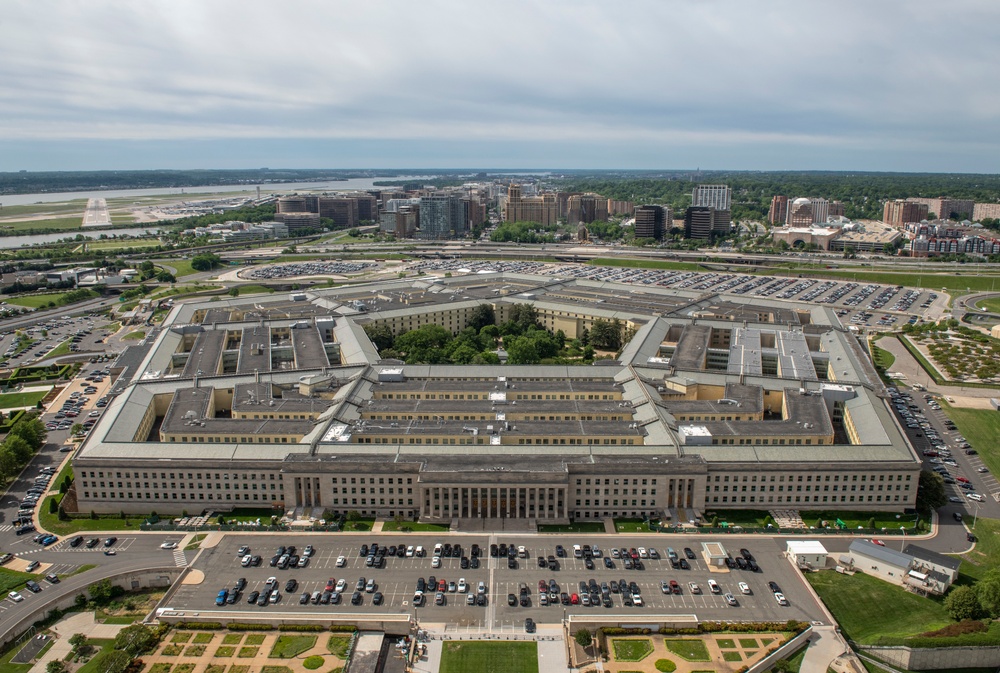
x=23, y=441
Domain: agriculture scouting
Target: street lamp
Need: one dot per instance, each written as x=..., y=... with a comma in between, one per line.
x=975, y=516
x=903, y=543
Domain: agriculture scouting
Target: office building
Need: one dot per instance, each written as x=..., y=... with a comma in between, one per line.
x=437, y=213
x=899, y=213
x=713, y=404
x=299, y=221
x=652, y=221
x=836, y=209
x=712, y=196
x=800, y=213
x=342, y=210
x=705, y=222
x=541, y=209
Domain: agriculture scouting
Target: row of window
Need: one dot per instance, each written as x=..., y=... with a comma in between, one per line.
x=635, y=491
x=174, y=485
x=354, y=490
x=808, y=478
x=798, y=487
x=252, y=476
x=155, y=495
x=218, y=439
x=805, y=498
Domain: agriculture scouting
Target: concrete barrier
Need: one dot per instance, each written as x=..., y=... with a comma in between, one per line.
x=786, y=650
x=929, y=658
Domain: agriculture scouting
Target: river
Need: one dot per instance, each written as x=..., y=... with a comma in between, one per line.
x=10, y=242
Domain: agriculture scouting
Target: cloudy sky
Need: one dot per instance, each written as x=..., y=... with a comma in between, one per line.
x=718, y=84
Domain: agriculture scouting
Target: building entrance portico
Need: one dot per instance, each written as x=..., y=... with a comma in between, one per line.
x=539, y=502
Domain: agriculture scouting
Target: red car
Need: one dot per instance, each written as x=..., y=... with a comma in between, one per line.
x=330, y=584
x=442, y=585
x=574, y=599
x=878, y=542
x=962, y=479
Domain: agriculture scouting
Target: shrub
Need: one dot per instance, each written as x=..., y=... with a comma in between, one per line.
x=300, y=627
x=666, y=665
x=313, y=662
x=346, y=628
x=246, y=626
x=199, y=626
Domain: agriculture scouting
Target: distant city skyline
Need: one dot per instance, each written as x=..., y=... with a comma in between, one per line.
x=722, y=85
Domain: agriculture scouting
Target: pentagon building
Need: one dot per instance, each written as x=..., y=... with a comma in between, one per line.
x=715, y=402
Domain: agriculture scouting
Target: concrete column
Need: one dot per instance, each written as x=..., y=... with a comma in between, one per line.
x=517, y=501
x=533, y=500
x=479, y=502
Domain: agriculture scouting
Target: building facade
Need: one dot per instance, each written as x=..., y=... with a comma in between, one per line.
x=712, y=196
x=900, y=212
x=653, y=221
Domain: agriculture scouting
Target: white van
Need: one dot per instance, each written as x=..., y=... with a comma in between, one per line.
x=975, y=496
x=714, y=587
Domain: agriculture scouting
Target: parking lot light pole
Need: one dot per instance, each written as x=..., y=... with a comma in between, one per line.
x=903, y=543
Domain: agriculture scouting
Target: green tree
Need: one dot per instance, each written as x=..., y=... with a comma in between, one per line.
x=135, y=639
x=486, y=358
x=101, y=591
x=205, y=261
x=380, y=335
x=930, y=492
x=165, y=276
x=76, y=428
x=19, y=448
x=522, y=351
x=988, y=592
x=9, y=464
x=524, y=315
x=234, y=292
x=583, y=638
x=482, y=316
x=55, y=666
x=963, y=603
x=77, y=640
x=31, y=429
x=115, y=661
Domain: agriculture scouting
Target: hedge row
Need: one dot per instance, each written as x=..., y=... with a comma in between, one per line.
x=248, y=626
x=712, y=627
x=200, y=626
x=348, y=628
x=300, y=627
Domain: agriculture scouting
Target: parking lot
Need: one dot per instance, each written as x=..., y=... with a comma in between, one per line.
x=397, y=580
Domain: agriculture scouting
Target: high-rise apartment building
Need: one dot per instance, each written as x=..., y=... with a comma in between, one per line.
x=652, y=221
x=947, y=209
x=436, y=216
x=586, y=208
x=898, y=213
x=712, y=196
x=705, y=222
x=778, y=212
x=836, y=209
x=541, y=209
x=984, y=210
x=616, y=207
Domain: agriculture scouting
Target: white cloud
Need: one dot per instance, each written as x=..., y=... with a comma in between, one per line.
x=790, y=74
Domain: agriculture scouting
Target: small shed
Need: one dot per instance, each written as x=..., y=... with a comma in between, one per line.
x=807, y=552
x=714, y=553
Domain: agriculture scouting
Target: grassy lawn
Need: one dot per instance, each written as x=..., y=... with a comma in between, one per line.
x=888, y=520
x=691, y=649
x=631, y=650
x=991, y=304
x=415, y=526
x=247, y=652
x=225, y=651
x=868, y=608
x=52, y=224
x=338, y=646
x=254, y=289
x=51, y=522
x=106, y=646
x=630, y=525
x=986, y=553
x=748, y=643
x=121, y=244
x=647, y=264
x=726, y=643
x=17, y=400
x=883, y=358
x=287, y=647
x=136, y=335
x=360, y=524
x=255, y=639
x=232, y=639
x=63, y=207
x=748, y=518
x=732, y=656
x=578, y=527
x=39, y=300
x=61, y=349
x=980, y=427
x=12, y=580
x=488, y=657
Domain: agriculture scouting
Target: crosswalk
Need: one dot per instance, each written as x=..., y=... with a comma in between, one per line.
x=6, y=528
x=180, y=560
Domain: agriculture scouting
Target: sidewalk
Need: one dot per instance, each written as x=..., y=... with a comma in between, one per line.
x=79, y=622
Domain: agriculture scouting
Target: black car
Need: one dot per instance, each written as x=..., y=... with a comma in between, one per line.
x=481, y=600
x=689, y=553
x=745, y=553
x=741, y=563
x=377, y=598
x=290, y=586
x=494, y=550
x=753, y=566
x=474, y=551
x=304, y=598
x=110, y=541
x=560, y=551
x=773, y=586
x=76, y=541
x=241, y=584
x=529, y=625
x=474, y=563
x=274, y=561
x=356, y=598
x=525, y=601
x=363, y=551
x=252, y=597
x=589, y=563
x=542, y=562
x=464, y=563
x=512, y=564
x=684, y=564
x=511, y=600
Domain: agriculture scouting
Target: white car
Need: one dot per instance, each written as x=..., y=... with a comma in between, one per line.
x=341, y=585
x=436, y=562
x=780, y=597
x=462, y=586
x=341, y=561
x=168, y=545
x=744, y=588
x=954, y=498
x=16, y=597
x=693, y=586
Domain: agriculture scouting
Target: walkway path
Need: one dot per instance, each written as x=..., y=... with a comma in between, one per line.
x=80, y=622
x=825, y=646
